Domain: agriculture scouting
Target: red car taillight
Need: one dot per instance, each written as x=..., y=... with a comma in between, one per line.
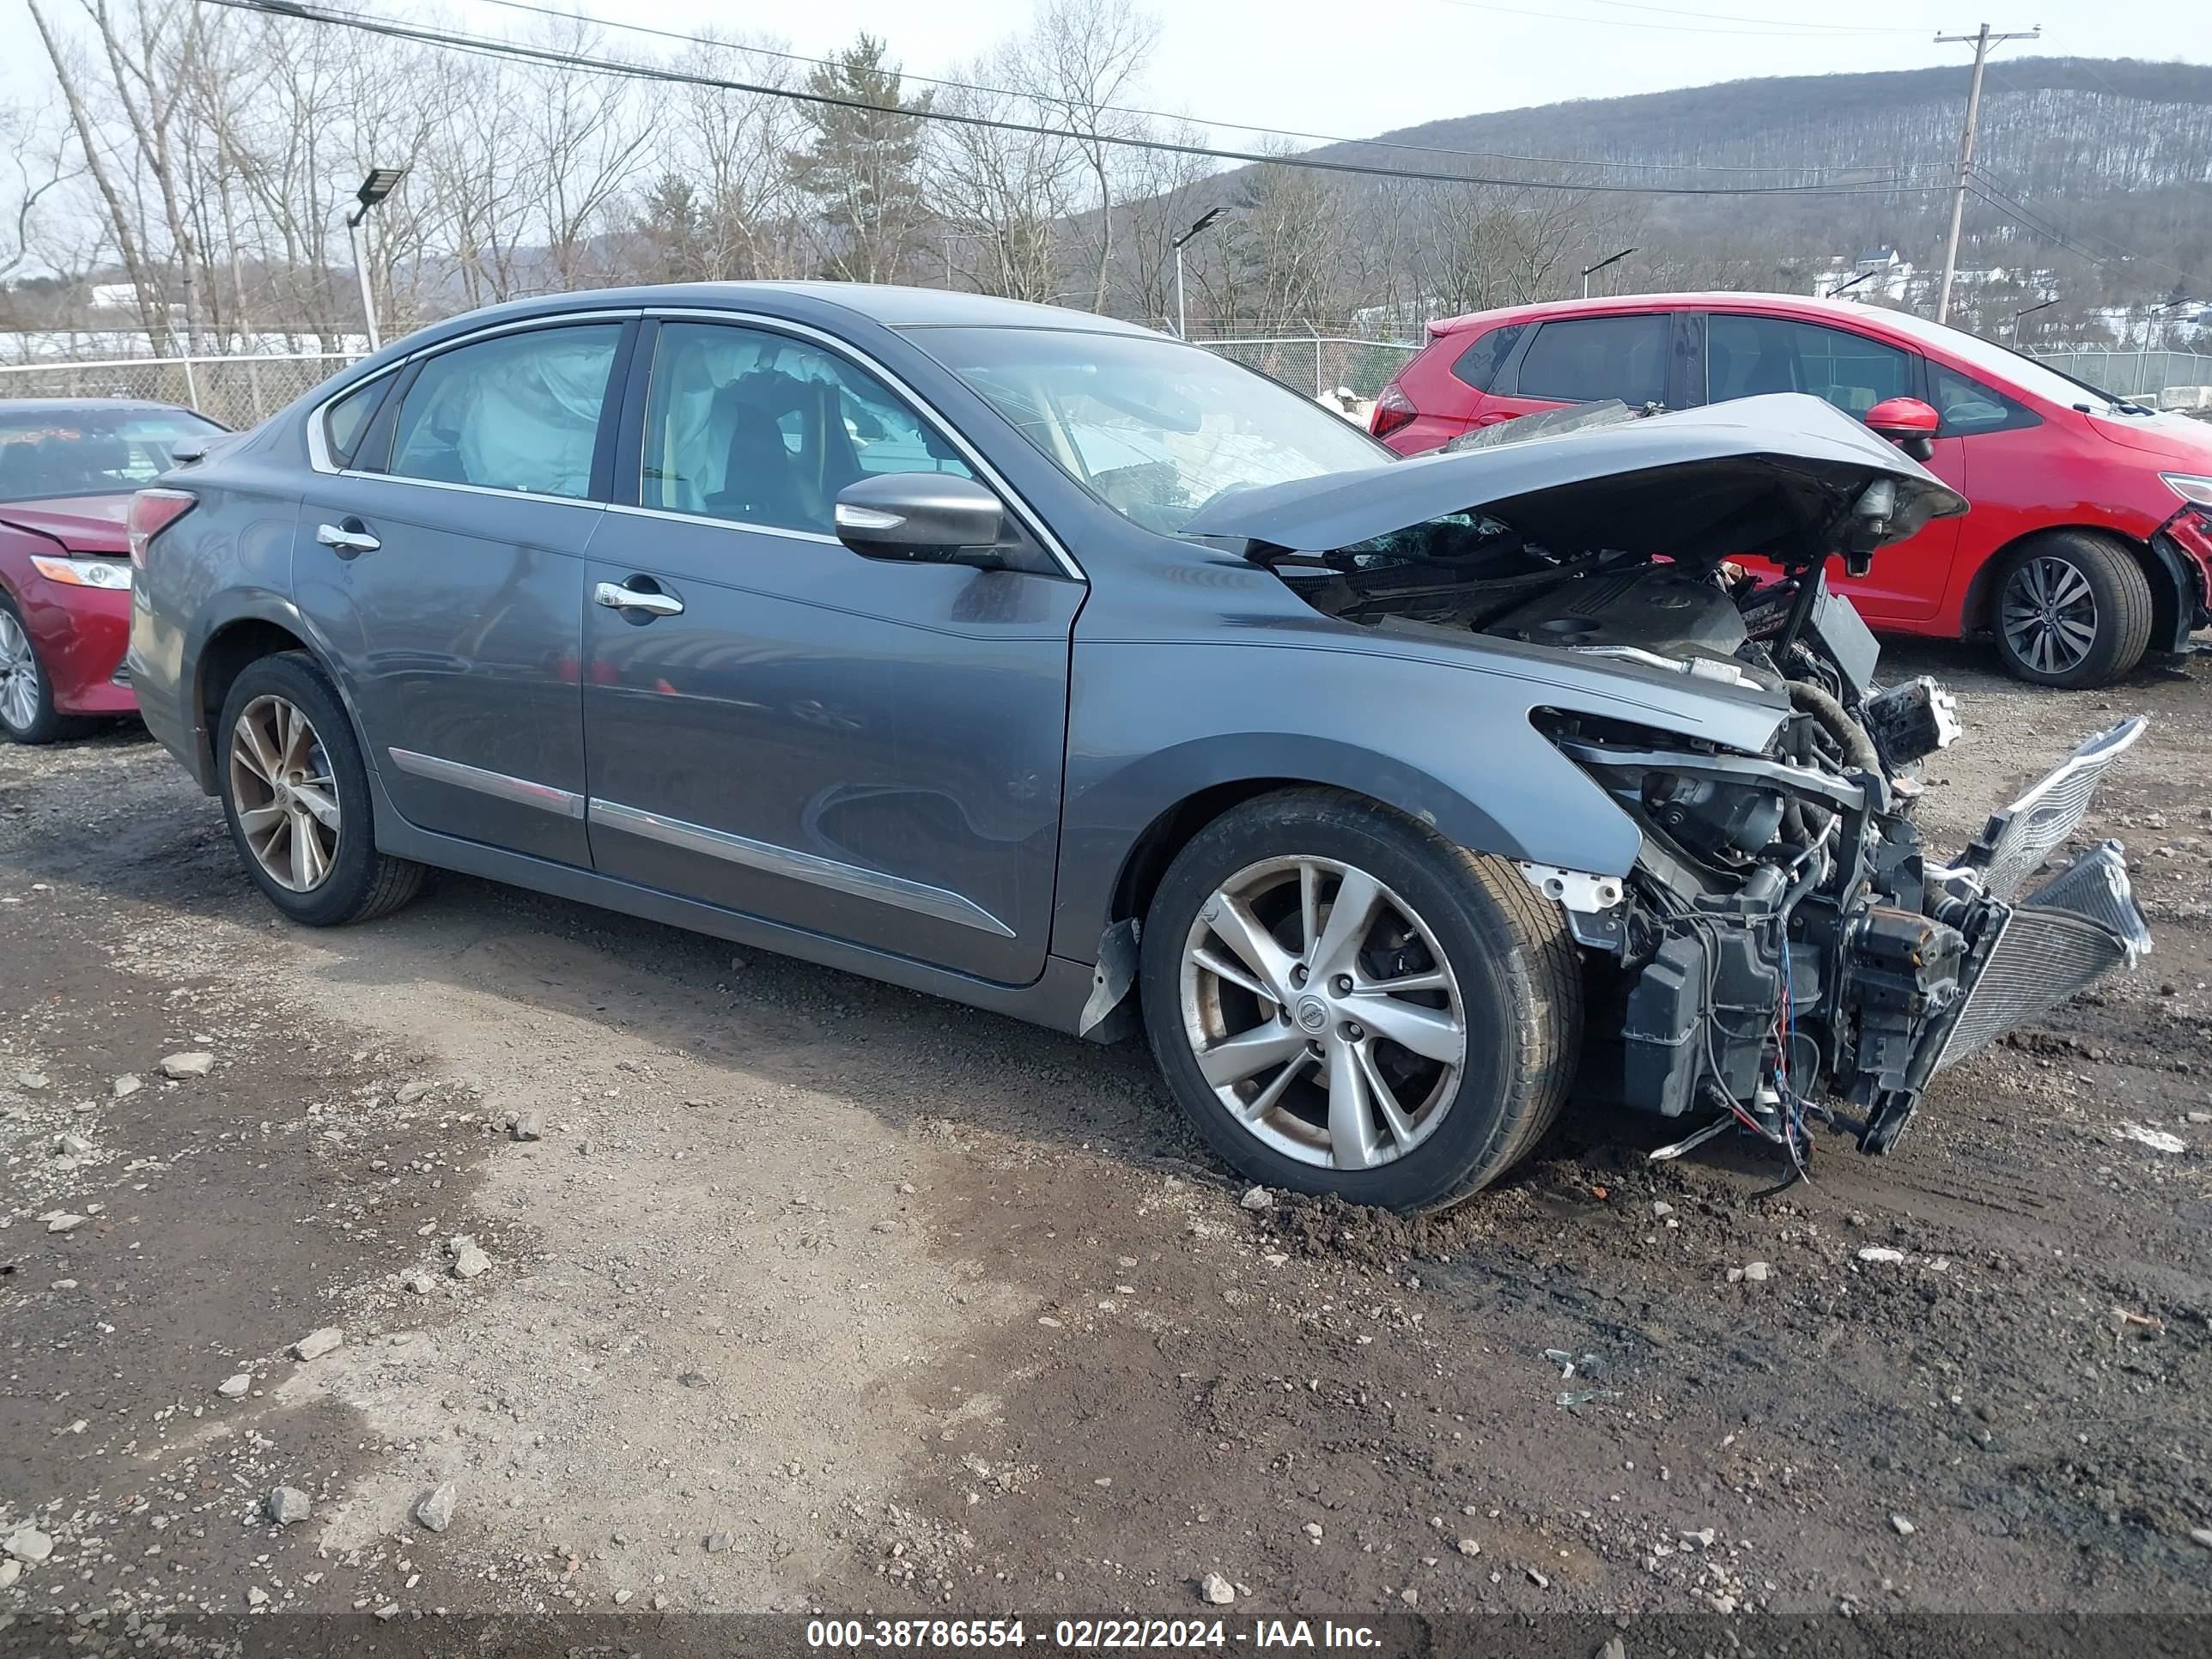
x=1393, y=410
x=152, y=511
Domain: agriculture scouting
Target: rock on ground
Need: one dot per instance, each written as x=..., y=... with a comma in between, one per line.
x=315, y=1344
x=231, y=1387
x=435, y=1507
x=1213, y=1588
x=30, y=1545
x=288, y=1505
x=470, y=1262
x=197, y=1063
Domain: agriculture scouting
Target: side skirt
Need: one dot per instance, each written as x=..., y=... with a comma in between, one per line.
x=1055, y=999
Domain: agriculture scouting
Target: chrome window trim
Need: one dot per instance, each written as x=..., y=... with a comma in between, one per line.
x=842, y=348
x=853, y=879
x=499, y=785
x=319, y=448
x=319, y=456
x=722, y=524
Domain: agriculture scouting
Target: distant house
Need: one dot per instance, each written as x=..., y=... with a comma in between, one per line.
x=1877, y=259
x=113, y=296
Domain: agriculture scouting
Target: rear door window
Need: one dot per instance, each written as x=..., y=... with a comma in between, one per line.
x=1746, y=356
x=517, y=411
x=1586, y=359
x=1479, y=364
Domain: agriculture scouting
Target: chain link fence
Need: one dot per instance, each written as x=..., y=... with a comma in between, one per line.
x=1321, y=362
x=235, y=390
x=2166, y=380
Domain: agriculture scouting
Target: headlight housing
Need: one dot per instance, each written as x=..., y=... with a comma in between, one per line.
x=111, y=575
x=2193, y=488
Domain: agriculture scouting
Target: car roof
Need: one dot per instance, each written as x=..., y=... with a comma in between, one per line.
x=1804, y=305
x=887, y=304
x=90, y=405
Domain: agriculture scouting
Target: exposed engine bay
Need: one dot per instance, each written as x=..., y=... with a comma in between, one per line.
x=1786, y=944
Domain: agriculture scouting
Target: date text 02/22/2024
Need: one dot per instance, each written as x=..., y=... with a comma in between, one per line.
x=1084, y=1635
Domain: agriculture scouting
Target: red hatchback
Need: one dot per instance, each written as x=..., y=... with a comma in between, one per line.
x=2089, y=540
x=67, y=471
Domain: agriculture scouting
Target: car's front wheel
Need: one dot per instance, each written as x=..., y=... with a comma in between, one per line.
x=296, y=794
x=1345, y=1003
x=2073, y=609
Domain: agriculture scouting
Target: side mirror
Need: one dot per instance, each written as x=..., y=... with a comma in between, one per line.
x=1907, y=422
x=930, y=518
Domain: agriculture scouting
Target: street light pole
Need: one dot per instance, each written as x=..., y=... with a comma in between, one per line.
x=1202, y=223
x=2031, y=310
x=380, y=184
x=1588, y=271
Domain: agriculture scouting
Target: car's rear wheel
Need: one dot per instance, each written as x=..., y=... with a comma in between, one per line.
x=2073, y=609
x=1345, y=1003
x=28, y=713
x=296, y=794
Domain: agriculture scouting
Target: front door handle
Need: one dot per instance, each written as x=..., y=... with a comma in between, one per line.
x=617, y=597
x=348, y=536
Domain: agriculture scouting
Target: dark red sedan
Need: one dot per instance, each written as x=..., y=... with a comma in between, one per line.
x=2089, y=539
x=67, y=471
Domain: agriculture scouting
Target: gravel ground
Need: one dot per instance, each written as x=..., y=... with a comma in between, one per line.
x=812, y=1293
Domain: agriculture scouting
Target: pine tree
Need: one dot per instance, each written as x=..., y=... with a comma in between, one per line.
x=860, y=170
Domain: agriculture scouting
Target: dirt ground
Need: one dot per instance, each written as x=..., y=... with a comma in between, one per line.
x=815, y=1294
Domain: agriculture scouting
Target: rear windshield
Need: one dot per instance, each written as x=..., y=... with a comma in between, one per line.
x=74, y=451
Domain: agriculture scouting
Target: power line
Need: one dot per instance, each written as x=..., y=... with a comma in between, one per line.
x=678, y=36
x=484, y=46
x=2039, y=219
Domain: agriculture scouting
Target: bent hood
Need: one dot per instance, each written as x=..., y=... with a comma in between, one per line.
x=82, y=523
x=1758, y=475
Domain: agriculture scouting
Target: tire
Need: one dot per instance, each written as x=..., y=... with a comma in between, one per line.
x=338, y=878
x=2072, y=608
x=28, y=714
x=1440, y=912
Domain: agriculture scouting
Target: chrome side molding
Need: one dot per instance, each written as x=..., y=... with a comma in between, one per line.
x=498, y=785
x=851, y=878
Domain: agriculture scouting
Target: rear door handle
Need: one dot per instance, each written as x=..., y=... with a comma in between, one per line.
x=348, y=536
x=617, y=597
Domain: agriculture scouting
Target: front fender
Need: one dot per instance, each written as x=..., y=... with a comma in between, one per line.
x=1152, y=725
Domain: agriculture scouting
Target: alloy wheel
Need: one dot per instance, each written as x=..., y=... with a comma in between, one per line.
x=19, y=675
x=2049, y=614
x=282, y=789
x=1322, y=1012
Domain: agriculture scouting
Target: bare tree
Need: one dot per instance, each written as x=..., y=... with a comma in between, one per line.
x=1163, y=192
x=1285, y=247
x=37, y=165
x=1086, y=58
x=1002, y=198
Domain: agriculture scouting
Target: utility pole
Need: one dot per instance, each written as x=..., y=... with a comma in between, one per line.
x=1982, y=40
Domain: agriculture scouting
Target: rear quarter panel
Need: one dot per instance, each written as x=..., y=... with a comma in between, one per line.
x=228, y=560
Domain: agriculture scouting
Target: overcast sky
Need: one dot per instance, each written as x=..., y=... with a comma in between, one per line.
x=1333, y=66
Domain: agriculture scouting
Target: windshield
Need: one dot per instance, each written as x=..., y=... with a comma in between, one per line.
x=2001, y=362
x=72, y=450
x=1153, y=427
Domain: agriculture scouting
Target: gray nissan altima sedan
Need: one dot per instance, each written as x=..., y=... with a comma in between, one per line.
x=1062, y=668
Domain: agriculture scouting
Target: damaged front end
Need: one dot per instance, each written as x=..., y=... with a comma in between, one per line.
x=1785, y=940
